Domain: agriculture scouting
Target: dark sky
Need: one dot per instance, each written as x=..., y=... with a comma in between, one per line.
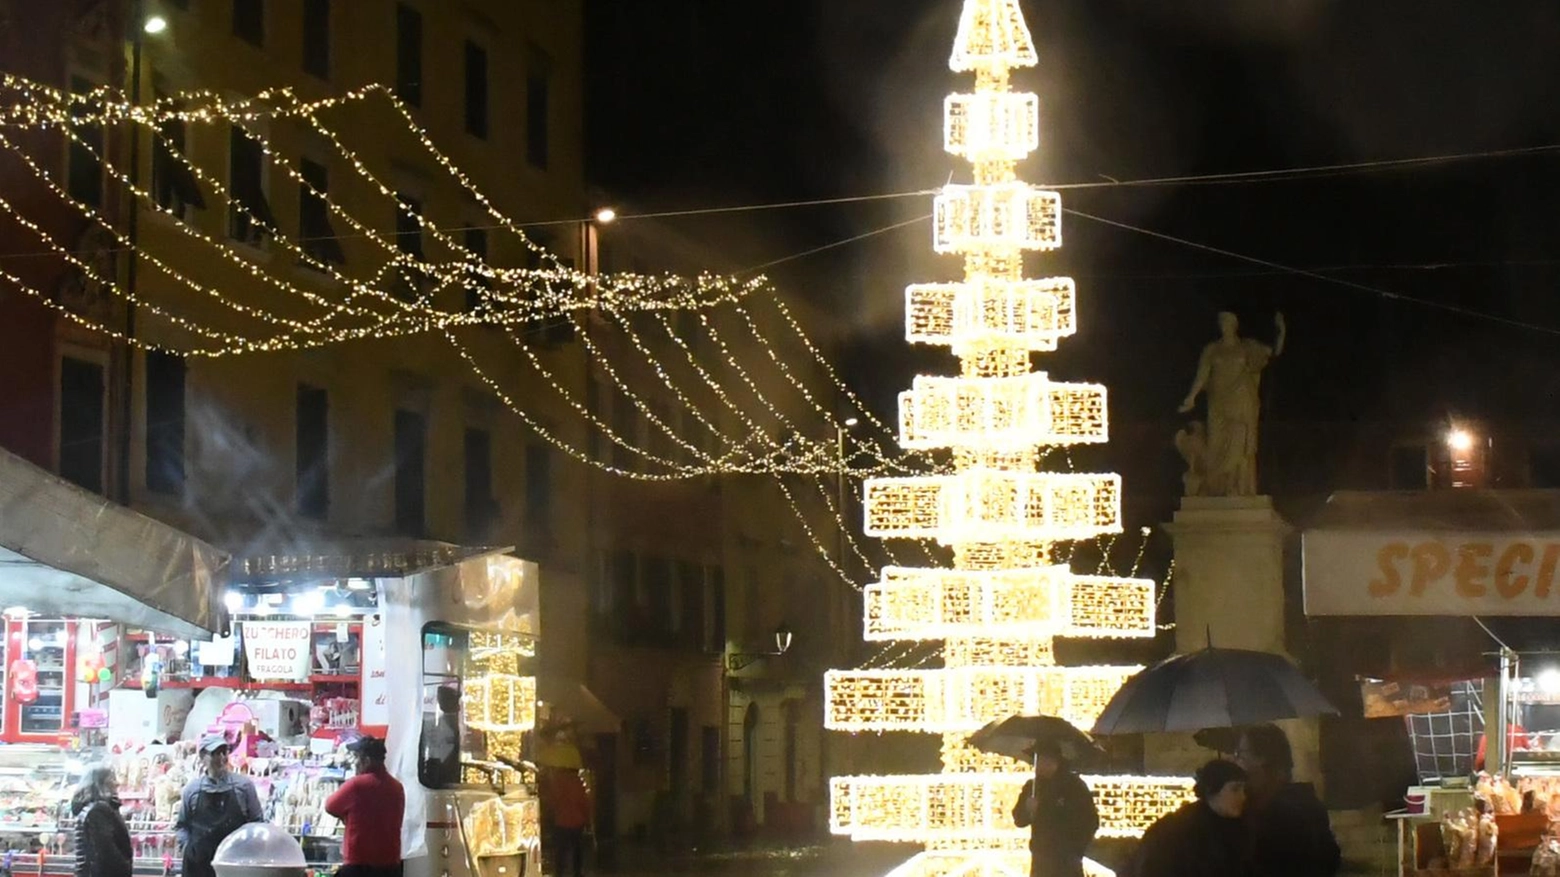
x=699, y=103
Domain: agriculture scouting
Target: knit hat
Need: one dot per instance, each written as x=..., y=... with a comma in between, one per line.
x=1212, y=777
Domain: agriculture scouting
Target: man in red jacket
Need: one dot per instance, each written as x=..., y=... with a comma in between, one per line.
x=372, y=805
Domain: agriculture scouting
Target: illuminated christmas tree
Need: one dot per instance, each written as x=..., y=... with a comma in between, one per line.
x=998, y=609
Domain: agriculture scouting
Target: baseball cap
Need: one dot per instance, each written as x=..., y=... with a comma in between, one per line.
x=371, y=747
x=212, y=742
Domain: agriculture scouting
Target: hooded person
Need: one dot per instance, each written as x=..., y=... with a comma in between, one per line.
x=102, y=841
x=1290, y=832
x=1058, y=809
x=1204, y=838
x=213, y=806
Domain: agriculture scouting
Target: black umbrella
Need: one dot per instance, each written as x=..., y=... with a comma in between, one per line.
x=1015, y=735
x=1212, y=688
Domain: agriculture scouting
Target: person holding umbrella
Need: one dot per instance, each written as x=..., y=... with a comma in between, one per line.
x=1291, y=835
x=1058, y=809
x=1206, y=837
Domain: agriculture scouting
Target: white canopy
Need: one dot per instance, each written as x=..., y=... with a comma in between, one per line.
x=66, y=551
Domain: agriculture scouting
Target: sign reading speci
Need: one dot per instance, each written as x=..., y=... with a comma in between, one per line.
x=1405, y=572
x=277, y=650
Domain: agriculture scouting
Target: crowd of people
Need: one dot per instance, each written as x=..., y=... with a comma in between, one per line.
x=1250, y=819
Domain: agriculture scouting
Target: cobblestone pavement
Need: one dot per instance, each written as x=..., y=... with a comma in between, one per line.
x=829, y=859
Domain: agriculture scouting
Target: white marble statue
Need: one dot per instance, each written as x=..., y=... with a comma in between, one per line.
x=1230, y=371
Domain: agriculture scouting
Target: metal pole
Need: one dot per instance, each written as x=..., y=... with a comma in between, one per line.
x=1504, y=694
x=127, y=406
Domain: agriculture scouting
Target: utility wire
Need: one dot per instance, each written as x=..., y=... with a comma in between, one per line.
x=1315, y=275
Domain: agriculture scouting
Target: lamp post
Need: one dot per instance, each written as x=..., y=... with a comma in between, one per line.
x=738, y=660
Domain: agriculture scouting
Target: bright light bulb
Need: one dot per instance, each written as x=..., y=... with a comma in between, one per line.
x=155, y=25
x=308, y=603
x=1460, y=440
x=35, y=644
x=233, y=600
x=343, y=610
x=605, y=215
x=1549, y=680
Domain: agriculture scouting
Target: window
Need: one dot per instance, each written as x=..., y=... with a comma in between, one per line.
x=316, y=38
x=709, y=758
x=249, y=21
x=476, y=242
x=173, y=183
x=537, y=85
x=715, y=599
x=81, y=423
x=249, y=212
x=411, y=445
x=690, y=604
x=481, y=508
x=1410, y=468
x=408, y=54
x=489, y=725
x=165, y=373
x=313, y=443
x=538, y=487
x=84, y=165
x=476, y=90
x=316, y=237
x=408, y=239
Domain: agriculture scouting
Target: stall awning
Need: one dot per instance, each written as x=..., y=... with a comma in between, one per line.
x=1452, y=553
x=67, y=551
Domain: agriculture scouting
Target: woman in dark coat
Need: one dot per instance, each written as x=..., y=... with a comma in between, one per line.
x=1059, y=811
x=1205, y=838
x=102, y=845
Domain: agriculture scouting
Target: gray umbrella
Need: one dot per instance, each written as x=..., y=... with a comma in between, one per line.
x=1212, y=688
x=1015, y=736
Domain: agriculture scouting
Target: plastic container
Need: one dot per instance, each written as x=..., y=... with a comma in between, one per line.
x=260, y=849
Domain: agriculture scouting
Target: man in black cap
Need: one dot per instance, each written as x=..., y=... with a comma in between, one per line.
x=1059, y=811
x=372, y=805
x=213, y=806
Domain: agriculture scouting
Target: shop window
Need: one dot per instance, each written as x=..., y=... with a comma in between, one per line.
x=316, y=237
x=313, y=463
x=174, y=187
x=165, y=381
x=478, y=700
x=316, y=38
x=481, y=507
x=82, y=419
x=538, y=487
x=84, y=163
x=249, y=212
x=476, y=90
x=538, y=84
x=408, y=54
x=658, y=593
x=477, y=285
x=249, y=21
x=44, y=643
x=411, y=446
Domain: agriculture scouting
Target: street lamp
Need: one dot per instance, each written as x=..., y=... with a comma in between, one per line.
x=738, y=660
x=1460, y=440
x=605, y=215
x=156, y=24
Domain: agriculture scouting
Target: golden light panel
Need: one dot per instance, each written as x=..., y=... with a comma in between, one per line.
x=991, y=127
x=1033, y=314
x=500, y=702
x=980, y=863
x=925, y=604
x=992, y=37
x=987, y=505
x=978, y=807
x=962, y=699
x=1013, y=413
x=998, y=216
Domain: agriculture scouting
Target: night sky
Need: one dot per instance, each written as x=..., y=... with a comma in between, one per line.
x=701, y=103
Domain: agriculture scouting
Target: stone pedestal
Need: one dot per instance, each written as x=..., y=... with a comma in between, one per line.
x=1229, y=586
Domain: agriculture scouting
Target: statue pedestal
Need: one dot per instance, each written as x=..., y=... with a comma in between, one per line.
x=1229, y=585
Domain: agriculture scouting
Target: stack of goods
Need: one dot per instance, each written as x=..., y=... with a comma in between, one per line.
x=1545, y=791
x=297, y=800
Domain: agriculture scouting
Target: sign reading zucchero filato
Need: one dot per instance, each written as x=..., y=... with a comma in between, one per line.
x=277, y=650
x=1427, y=572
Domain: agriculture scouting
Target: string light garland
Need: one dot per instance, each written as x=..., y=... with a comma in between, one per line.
x=1011, y=589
